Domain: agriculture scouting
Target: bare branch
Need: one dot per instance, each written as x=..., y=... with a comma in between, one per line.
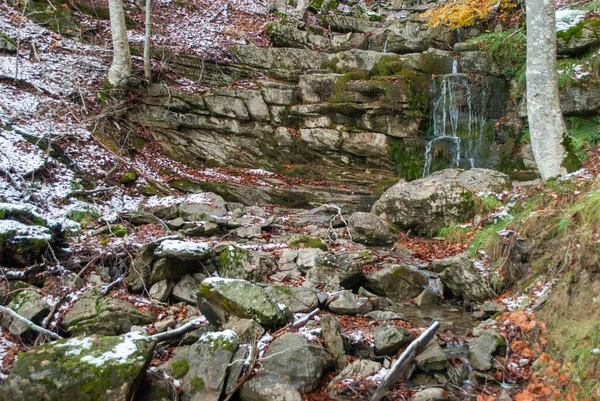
x=29, y=323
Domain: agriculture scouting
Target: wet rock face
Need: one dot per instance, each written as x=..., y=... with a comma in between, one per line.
x=441, y=199
x=81, y=368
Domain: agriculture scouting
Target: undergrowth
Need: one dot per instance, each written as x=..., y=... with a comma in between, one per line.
x=508, y=50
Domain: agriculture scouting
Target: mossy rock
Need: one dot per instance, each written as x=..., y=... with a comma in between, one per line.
x=58, y=19
x=128, y=177
x=221, y=298
x=119, y=230
x=147, y=190
x=81, y=368
x=306, y=241
x=22, y=245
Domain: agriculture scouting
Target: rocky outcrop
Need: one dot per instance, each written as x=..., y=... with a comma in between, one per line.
x=81, y=368
x=578, y=39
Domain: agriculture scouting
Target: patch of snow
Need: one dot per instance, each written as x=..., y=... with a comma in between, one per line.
x=566, y=19
x=172, y=246
x=120, y=352
x=20, y=231
x=77, y=345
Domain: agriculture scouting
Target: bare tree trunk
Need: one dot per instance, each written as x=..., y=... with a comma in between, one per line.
x=120, y=69
x=147, y=69
x=546, y=124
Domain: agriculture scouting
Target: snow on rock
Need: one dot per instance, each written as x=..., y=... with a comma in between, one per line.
x=120, y=353
x=566, y=19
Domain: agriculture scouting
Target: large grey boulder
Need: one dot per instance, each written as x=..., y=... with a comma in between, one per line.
x=221, y=298
x=398, y=282
x=443, y=198
x=369, y=229
x=29, y=304
x=81, y=368
x=461, y=277
x=94, y=313
x=290, y=360
x=203, y=366
x=432, y=358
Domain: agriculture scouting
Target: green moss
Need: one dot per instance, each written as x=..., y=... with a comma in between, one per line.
x=8, y=39
x=180, y=368
x=306, y=241
x=577, y=30
x=232, y=256
x=147, y=190
x=508, y=50
x=128, y=177
x=197, y=385
x=408, y=157
x=58, y=19
x=119, y=230
x=571, y=162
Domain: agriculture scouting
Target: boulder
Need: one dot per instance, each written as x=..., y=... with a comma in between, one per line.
x=476, y=62
x=187, y=289
x=426, y=299
x=431, y=394
x=21, y=244
x=161, y=290
x=578, y=39
x=432, y=358
x=335, y=271
x=97, y=314
x=7, y=44
x=441, y=199
x=183, y=251
x=297, y=299
x=81, y=368
x=461, y=277
x=29, y=304
x=360, y=367
x=579, y=100
x=402, y=36
x=202, y=367
x=221, y=298
x=290, y=360
x=369, y=229
x=192, y=207
x=308, y=258
x=332, y=339
x=385, y=315
x=348, y=303
x=246, y=329
x=390, y=338
x=241, y=264
x=398, y=282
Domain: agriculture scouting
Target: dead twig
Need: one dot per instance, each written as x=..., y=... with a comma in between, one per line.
x=29, y=323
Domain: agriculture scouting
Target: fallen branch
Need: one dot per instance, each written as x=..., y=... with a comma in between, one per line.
x=253, y=357
x=112, y=285
x=92, y=191
x=298, y=323
x=402, y=363
x=29, y=323
x=178, y=332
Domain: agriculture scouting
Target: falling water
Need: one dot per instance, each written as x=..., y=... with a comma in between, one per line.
x=458, y=120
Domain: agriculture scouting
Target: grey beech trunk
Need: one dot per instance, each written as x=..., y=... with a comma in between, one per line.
x=120, y=69
x=546, y=125
x=147, y=68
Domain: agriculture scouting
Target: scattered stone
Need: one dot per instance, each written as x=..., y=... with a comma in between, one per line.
x=80, y=368
x=308, y=258
x=290, y=360
x=462, y=278
x=426, y=299
x=369, y=229
x=330, y=331
x=347, y=303
x=202, y=367
x=221, y=298
x=335, y=271
x=297, y=299
x=390, y=338
x=431, y=394
x=187, y=289
x=161, y=290
x=248, y=232
x=481, y=350
x=97, y=314
x=398, y=282
x=164, y=325
x=238, y=263
x=385, y=315
x=247, y=330
x=432, y=358
x=29, y=304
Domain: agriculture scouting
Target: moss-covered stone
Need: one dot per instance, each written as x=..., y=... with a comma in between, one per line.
x=119, y=230
x=128, y=177
x=83, y=368
x=306, y=241
x=147, y=190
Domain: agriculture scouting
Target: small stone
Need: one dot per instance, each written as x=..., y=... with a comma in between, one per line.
x=248, y=232
x=385, y=315
x=147, y=190
x=431, y=394
x=426, y=299
x=165, y=324
x=128, y=177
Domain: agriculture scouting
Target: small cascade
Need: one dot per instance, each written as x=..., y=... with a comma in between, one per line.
x=459, y=121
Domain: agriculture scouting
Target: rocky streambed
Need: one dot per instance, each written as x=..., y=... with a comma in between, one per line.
x=226, y=301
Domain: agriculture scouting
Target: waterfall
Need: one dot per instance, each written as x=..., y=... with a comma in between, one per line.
x=458, y=121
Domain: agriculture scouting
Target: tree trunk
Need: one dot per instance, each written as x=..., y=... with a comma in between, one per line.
x=147, y=69
x=546, y=125
x=120, y=69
